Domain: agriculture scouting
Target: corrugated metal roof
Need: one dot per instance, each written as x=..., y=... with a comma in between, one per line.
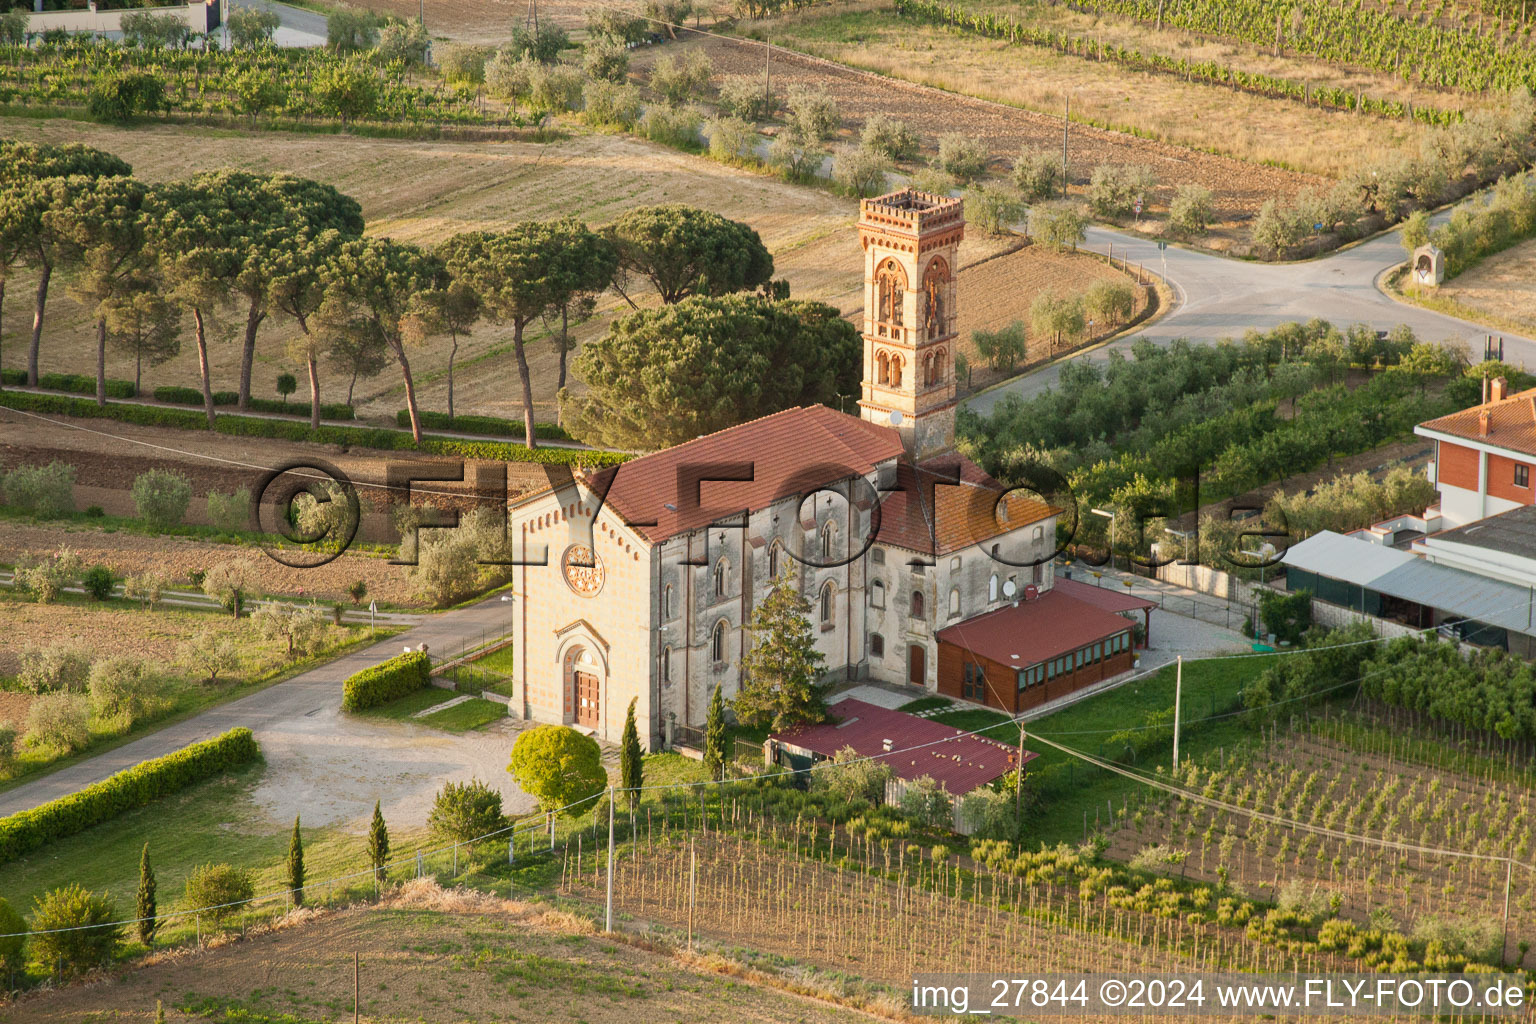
x=1345, y=558
x=1455, y=592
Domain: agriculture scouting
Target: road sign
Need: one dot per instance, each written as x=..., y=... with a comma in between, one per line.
x=1161, y=246
x=1317, y=227
x=1138, y=204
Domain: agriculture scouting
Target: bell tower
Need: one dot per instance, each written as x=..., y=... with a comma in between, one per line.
x=911, y=240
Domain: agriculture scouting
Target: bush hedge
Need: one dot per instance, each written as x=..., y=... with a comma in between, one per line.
x=400, y=675
x=482, y=425
x=133, y=787
x=76, y=383
x=296, y=430
x=178, y=395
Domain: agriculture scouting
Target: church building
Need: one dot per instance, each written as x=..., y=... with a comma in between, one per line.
x=902, y=546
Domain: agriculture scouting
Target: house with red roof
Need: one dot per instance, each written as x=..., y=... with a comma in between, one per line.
x=639, y=582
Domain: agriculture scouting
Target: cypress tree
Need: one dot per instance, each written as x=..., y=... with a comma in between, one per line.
x=631, y=771
x=296, y=865
x=145, y=903
x=378, y=844
x=714, y=736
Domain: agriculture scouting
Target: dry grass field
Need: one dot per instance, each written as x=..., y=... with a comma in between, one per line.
x=429, y=956
x=1201, y=117
x=1501, y=287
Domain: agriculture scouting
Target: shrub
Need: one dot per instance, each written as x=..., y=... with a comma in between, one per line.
x=813, y=113
x=55, y=667
x=47, y=577
x=1114, y=189
x=990, y=815
x=44, y=491
x=963, y=156
x=745, y=97
x=95, y=512
x=351, y=30
x=122, y=97
x=230, y=512
x=1475, y=938
x=1189, y=214
x=730, y=139
x=161, y=497
x=605, y=61
x=404, y=41
x=465, y=811
x=99, y=582
x=454, y=564
x=928, y=803
x=357, y=591
x=558, y=767
x=1109, y=302
x=209, y=654
x=846, y=777
x=1288, y=616
x=218, y=889
x=1057, y=225
x=541, y=47
x=72, y=929
x=231, y=584
x=793, y=158
x=509, y=76
x=13, y=945
x=671, y=126
x=462, y=63
x=400, y=675
x=1276, y=228
x=679, y=81
x=861, y=171
x=252, y=26
x=993, y=208
x=122, y=688
x=57, y=721
x=885, y=134
x=608, y=103
x=13, y=27
x=302, y=626
x=132, y=787
x=1037, y=173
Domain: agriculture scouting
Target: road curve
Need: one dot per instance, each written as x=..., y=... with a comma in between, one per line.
x=1218, y=297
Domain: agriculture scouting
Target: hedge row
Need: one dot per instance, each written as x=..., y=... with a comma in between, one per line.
x=400, y=675
x=130, y=788
x=297, y=430
x=179, y=395
x=77, y=383
x=482, y=425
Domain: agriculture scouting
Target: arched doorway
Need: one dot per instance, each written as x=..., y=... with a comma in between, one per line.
x=586, y=688
x=917, y=665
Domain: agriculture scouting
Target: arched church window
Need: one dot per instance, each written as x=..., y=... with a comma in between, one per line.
x=773, y=559
x=717, y=641
x=891, y=283
x=827, y=534
x=935, y=283
x=883, y=368
x=826, y=603
x=897, y=365
x=722, y=574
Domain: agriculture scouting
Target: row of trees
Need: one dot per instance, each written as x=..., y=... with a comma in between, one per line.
x=279, y=248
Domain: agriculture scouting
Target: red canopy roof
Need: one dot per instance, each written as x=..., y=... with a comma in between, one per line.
x=919, y=746
x=1115, y=599
x=1034, y=631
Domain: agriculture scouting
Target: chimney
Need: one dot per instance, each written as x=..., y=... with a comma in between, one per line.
x=1499, y=391
x=1482, y=423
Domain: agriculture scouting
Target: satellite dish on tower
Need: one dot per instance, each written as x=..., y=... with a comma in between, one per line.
x=1008, y=588
x=895, y=417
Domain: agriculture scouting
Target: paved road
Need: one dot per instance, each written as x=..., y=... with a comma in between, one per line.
x=1221, y=298
x=313, y=694
x=298, y=27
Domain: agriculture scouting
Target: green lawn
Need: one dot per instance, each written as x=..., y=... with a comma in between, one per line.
x=1066, y=787
x=212, y=822
x=472, y=714
x=925, y=704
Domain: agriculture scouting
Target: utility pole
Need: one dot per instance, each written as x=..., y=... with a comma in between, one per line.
x=608, y=918
x=1018, y=775
x=1066, y=123
x=1178, y=694
x=357, y=970
x=767, y=84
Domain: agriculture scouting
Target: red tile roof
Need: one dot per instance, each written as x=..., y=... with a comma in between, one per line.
x=1116, y=599
x=1511, y=423
x=930, y=514
x=919, y=746
x=1051, y=625
x=789, y=452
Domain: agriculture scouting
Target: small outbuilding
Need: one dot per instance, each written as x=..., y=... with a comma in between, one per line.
x=1428, y=268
